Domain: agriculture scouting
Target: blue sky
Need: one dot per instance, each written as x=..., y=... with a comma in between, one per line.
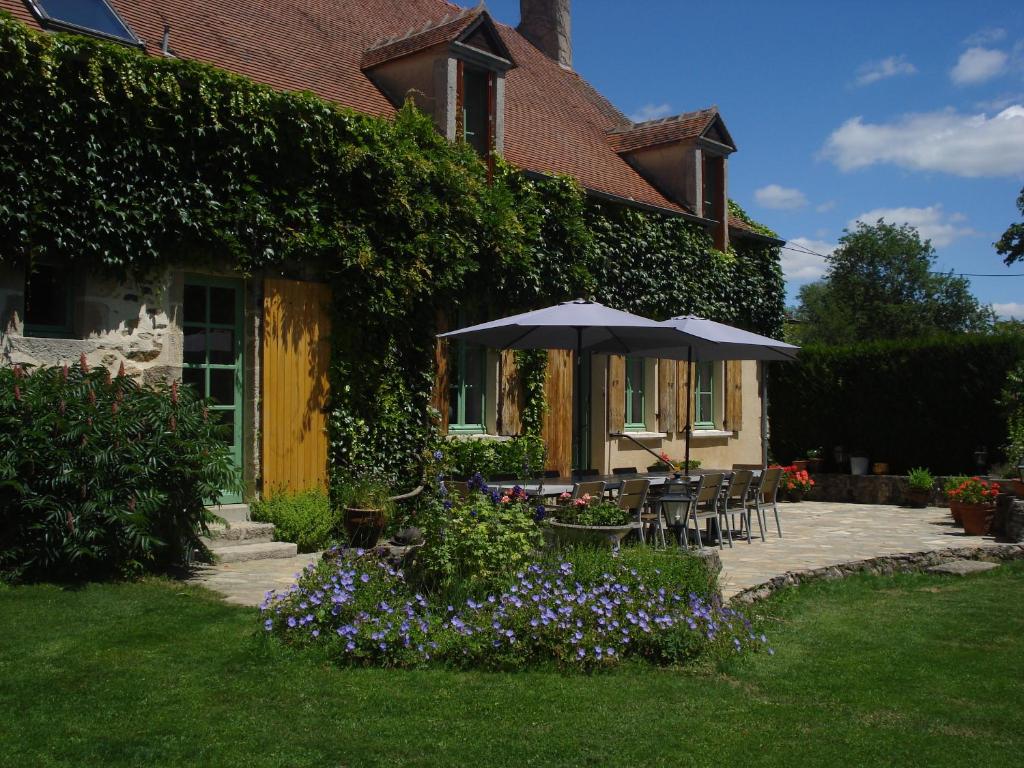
x=909, y=110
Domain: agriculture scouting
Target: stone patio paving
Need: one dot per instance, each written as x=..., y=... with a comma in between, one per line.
x=815, y=534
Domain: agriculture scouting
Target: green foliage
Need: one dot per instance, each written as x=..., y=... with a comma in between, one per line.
x=126, y=162
x=532, y=366
x=99, y=476
x=1011, y=245
x=475, y=543
x=669, y=569
x=920, y=479
x=592, y=511
x=519, y=456
x=927, y=402
x=306, y=517
x=880, y=285
x=1013, y=402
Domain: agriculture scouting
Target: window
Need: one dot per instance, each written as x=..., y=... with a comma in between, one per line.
x=704, y=396
x=476, y=111
x=48, y=301
x=91, y=17
x=635, y=394
x=467, y=389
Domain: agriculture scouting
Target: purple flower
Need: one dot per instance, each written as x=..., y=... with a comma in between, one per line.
x=268, y=624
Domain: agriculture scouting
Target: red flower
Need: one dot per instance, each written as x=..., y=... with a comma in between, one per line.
x=83, y=363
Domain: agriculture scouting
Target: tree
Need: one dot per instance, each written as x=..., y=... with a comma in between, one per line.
x=1011, y=244
x=880, y=284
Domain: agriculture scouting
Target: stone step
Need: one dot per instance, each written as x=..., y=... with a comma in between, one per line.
x=233, y=534
x=239, y=553
x=233, y=513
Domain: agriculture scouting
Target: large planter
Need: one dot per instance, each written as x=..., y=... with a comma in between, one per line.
x=567, y=535
x=976, y=518
x=1015, y=487
x=954, y=509
x=880, y=468
x=363, y=526
x=918, y=498
x=858, y=465
x=800, y=465
x=797, y=494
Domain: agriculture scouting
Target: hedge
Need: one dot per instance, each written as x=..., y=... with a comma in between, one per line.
x=929, y=402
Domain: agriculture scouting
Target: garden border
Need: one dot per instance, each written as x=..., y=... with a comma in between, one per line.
x=885, y=565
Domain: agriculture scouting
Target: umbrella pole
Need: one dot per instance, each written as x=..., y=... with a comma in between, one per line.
x=578, y=426
x=764, y=415
x=689, y=400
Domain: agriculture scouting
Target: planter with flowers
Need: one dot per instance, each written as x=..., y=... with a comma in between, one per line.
x=920, y=483
x=976, y=501
x=590, y=520
x=796, y=482
x=669, y=465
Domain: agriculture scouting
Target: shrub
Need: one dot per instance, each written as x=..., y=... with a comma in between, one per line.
x=588, y=510
x=100, y=476
x=973, y=490
x=520, y=456
x=306, y=518
x=479, y=540
x=668, y=569
x=1013, y=401
x=363, y=613
x=920, y=479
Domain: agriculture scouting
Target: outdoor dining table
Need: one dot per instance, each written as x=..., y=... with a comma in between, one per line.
x=556, y=486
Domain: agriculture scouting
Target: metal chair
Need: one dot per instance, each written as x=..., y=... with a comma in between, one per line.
x=595, y=488
x=705, y=506
x=676, y=496
x=633, y=497
x=734, y=496
x=764, y=493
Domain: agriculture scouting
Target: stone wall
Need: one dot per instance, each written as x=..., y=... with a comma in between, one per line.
x=859, y=489
x=113, y=322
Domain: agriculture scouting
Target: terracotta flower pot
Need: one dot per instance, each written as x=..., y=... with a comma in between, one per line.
x=954, y=509
x=796, y=494
x=918, y=498
x=800, y=465
x=976, y=518
x=880, y=468
x=363, y=526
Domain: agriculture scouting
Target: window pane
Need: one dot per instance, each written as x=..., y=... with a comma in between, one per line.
x=222, y=346
x=635, y=390
x=225, y=418
x=196, y=378
x=222, y=386
x=475, y=110
x=195, y=304
x=222, y=306
x=91, y=14
x=195, y=346
x=47, y=297
x=472, y=377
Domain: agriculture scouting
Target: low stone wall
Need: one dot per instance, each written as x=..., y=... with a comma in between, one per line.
x=883, y=566
x=859, y=489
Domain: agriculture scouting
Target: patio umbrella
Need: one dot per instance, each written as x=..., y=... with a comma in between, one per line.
x=698, y=339
x=580, y=326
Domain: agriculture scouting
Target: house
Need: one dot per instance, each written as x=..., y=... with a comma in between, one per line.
x=505, y=91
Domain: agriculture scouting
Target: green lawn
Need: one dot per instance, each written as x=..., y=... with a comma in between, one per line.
x=911, y=670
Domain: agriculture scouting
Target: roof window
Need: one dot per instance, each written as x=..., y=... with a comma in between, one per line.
x=85, y=17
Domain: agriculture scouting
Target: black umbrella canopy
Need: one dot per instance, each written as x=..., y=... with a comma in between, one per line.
x=579, y=325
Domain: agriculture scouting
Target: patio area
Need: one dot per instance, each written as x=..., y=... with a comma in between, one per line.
x=816, y=535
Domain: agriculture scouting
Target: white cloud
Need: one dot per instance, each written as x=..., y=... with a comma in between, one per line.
x=799, y=266
x=986, y=36
x=976, y=65
x=825, y=207
x=1011, y=310
x=651, y=112
x=1000, y=102
x=873, y=71
x=947, y=141
x=932, y=223
x=780, y=198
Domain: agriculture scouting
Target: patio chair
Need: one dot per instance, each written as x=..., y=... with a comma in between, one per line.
x=706, y=507
x=672, y=507
x=734, y=497
x=765, y=493
x=633, y=497
x=593, y=487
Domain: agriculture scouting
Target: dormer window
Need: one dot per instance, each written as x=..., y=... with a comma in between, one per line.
x=477, y=125
x=84, y=17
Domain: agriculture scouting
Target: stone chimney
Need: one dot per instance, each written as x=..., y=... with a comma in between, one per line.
x=546, y=24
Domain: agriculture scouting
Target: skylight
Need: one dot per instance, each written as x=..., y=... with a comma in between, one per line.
x=90, y=17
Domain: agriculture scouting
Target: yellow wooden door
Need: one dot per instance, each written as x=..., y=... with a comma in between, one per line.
x=296, y=355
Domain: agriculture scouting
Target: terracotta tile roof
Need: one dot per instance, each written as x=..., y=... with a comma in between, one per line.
x=420, y=38
x=688, y=125
x=555, y=122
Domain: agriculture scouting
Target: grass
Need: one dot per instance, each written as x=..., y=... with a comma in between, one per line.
x=907, y=670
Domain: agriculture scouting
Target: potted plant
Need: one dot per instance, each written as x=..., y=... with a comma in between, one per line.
x=951, y=484
x=814, y=459
x=858, y=463
x=367, y=508
x=668, y=465
x=921, y=482
x=590, y=520
x=976, y=498
x=796, y=483
x=800, y=465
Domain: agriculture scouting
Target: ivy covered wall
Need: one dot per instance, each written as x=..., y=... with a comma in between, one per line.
x=126, y=162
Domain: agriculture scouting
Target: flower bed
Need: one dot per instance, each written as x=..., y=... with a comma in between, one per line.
x=363, y=612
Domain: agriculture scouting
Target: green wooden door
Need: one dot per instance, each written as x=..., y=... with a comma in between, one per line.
x=212, y=321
